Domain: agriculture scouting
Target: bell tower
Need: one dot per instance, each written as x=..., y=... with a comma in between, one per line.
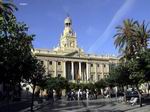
x=68, y=40
x=68, y=37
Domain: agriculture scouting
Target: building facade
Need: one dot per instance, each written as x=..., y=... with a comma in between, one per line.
x=70, y=61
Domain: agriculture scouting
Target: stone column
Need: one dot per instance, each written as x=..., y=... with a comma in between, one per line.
x=55, y=68
x=64, y=69
x=87, y=71
x=72, y=70
x=80, y=70
x=95, y=73
x=47, y=67
x=102, y=71
x=108, y=68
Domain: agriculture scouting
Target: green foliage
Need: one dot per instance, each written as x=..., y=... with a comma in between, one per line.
x=101, y=84
x=132, y=41
x=89, y=86
x=82, y=86
x=57, y=83
x=17, y=63
x=140, y=67
x=72, y=85
x=16, y=58
x=146, y=64
x=119, y=76
x=37, y=76
x=131, y=37
x=6, y=10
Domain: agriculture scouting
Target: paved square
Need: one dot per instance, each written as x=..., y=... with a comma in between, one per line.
x=99, y=105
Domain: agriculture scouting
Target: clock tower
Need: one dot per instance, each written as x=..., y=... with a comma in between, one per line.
x=68, y=37
x=68, y=40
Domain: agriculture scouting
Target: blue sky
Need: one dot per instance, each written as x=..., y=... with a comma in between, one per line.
x=94, y=21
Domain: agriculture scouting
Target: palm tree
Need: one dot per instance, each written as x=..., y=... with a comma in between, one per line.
x=125, y=38
x=6, y=8
x=6, y=12
x=131, y=37
x=142, y=34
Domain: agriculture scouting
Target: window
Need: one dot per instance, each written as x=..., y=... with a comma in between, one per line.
x=59, y=75
x=42, y=62
x=104, y=65
x=105, y=76
x=97, y=65
x=59, y=63
x=91, y=65
x=91, y=77
x=98, y=77
x=49, y=75
x=50, y=62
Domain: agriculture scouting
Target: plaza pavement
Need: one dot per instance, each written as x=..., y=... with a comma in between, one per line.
x=99, y=105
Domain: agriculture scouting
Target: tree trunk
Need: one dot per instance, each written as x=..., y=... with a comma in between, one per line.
x=32, y=100
x=140, y=96
x=8, y=96
x=125, y=91
x=148, y=88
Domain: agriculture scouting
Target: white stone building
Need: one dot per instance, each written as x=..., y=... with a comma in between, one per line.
x=70, y=61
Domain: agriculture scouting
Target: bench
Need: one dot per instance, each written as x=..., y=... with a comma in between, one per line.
x=133, y=100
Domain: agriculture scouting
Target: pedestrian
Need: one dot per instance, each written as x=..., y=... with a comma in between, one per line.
x=87, y=94
x=72, y=95
x=79, y=94
x=54, y=95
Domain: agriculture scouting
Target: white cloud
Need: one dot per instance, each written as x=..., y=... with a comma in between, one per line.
x=23, y=4
x=104, y=38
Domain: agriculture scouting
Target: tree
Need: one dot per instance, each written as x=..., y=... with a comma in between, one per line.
x=132, y=37
x=6, y=8
x=36, y=77
x=142, y=35
x=124, y=39
x=90, y=86
x=6, y=12
x=71, y=86
x=140, y=69
x=101, y=84
x=145, y=61
x=132, y=40
x=119, y=75
x=16, y=55
x=17, y=63
x=58, y=84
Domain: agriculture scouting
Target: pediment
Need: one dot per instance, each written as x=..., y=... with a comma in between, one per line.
x=74, y=54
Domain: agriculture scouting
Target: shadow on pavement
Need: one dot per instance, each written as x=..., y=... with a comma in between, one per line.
x=15, y=107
